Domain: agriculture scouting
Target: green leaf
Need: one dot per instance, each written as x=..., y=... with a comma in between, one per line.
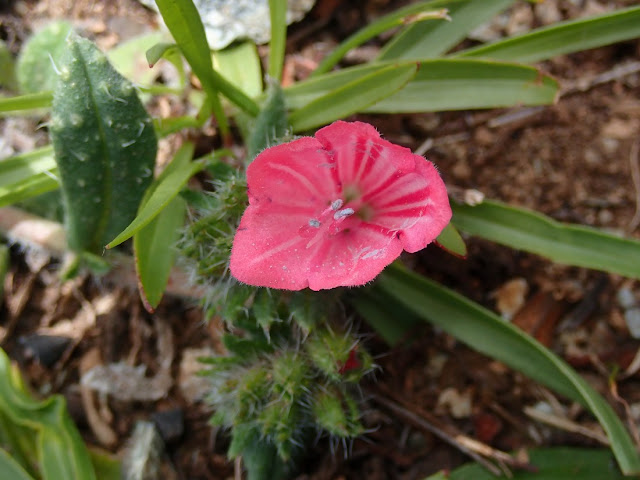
x=450, y=240
x=31, y=101
x=105, y=146
x=40, y=57
x=270, y=125
x=184, y=23
x=7, y=68
x=240, y=64
x=487, y=333
x=17, y=168
x=278, y=43
x=561, y=38
x=154, y=251
x=158, y=51
x=411, y=14
x=352, y=97
x=10, y=469
x=557, y=463
x=378, y=309
x=425, y=40
x=533, y=232
x=446, y=84
x=162, y=191
x=459, y=84
x=106, y=465
x=58, y=446
x=129, y=58
x=27, y=175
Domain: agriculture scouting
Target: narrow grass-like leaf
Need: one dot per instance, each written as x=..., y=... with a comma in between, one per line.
x=446, y=84
x=32, y=101
x=28, y=188
x=487, y=333
x=303, y=93
x=278, y=43
x=105, y=146
x=533, y=232
x=425, y=40
x=162, y=191
x=19, y=167
x=464, y=84
x=153, y=246
x=562, y=38
x=58, y=445
x=158, y=51
x=352, y=97
x=391, y=320
x=184, y=23
x=10, y=469
x=450, y=240
x=417, y=12
x=557, y=463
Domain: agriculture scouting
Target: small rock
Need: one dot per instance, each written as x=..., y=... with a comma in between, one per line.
x=46, y=349
x=510, y=297
x=626, y=298
x=170, y=423
x=632, y=318
x=458, y=404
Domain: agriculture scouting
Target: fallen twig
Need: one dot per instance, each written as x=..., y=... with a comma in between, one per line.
x=565, y=424
x=473, y=448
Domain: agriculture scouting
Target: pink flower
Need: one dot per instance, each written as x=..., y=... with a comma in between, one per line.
x=335, y=210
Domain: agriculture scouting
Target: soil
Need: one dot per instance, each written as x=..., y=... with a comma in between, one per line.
x=575, y=161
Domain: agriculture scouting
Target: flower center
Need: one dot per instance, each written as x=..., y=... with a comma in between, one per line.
x=330, y=221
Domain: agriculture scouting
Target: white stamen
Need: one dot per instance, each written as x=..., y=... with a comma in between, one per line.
x=345, y=212
x=336, y=204
x=314, y=223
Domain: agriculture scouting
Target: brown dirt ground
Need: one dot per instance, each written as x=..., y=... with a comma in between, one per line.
x=572, y=161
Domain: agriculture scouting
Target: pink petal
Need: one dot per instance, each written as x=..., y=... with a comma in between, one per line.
x=352, y=257
x=416, y=205
x=363, y=159
x=294, y=174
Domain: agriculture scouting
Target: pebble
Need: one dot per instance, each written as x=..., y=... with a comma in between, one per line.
x=626, y=298
x=46, y=349
x=170, y=423
x=632, y=318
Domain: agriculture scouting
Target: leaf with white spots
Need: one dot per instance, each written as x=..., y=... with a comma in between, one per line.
x=104, y=144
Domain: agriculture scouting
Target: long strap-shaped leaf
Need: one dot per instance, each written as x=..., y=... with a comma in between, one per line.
x=27, y=175
x=563, y=38
x=487, y=333
x=431, y=39
x=533, y=232
x=352, y=97
x=445, y=84
x=104, y=143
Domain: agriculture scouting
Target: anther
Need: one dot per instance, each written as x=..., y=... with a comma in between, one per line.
x=314, y=223
x=345, y=212
x=336, y=204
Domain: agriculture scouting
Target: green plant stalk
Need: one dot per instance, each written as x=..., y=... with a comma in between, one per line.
x=404, y=16
x=278, y=44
